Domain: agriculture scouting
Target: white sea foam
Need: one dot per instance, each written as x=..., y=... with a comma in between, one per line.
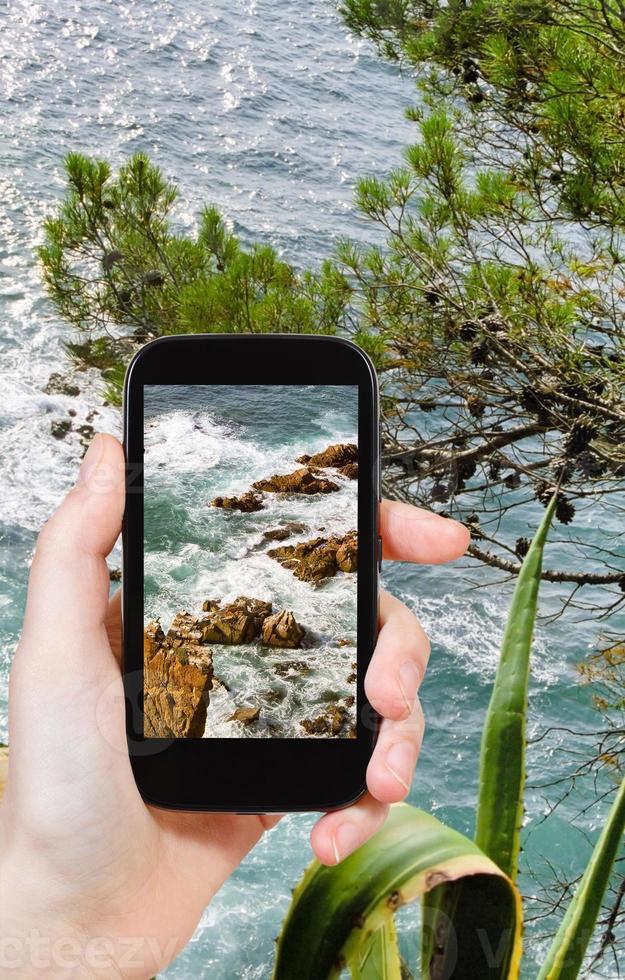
x=470, y=631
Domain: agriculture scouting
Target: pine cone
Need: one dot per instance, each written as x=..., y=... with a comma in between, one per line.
x=565, y=511
x=522, y=547
x=581, y=434
x=589, y=465
x=439, y=492
x=479, y=354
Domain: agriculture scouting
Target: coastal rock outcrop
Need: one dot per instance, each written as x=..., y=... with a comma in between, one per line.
x=282, y=630
x=347, y=553
x=350, y=470
x=330, y=722
x=59, y=384
x=288, y=667
x=178, y=674
x=246, y=503
x=300, y=481
x=238, y=622
x=245, y=715
x=284, y=531
x=338, y=455
x=319, y=558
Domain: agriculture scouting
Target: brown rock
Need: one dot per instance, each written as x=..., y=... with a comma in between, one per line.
x=245, y=715
x=300, y=481
x=350, y=470
x=238, y=622
x=209, y=605
x=60, y=427
x=257, y=608
x=285, y=531
x=347, y=553
x=282, y=630
x=247, y=502
x=319, y=558
x=329, y=723
x=287, y=666
x=58, y=384
x=272, y=697
x=178, y=673
x=184, y=626
x=337, y=455
x=228, y=626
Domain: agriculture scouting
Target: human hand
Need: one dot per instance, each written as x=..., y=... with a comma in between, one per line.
x=93, y=882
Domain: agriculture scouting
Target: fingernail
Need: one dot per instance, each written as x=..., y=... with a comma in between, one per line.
x=409, y=683
x=346, y=840
x=399, y=762
x=91, y=459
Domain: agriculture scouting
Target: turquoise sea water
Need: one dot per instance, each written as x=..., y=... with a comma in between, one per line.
x=271, y=110
x=216, y=440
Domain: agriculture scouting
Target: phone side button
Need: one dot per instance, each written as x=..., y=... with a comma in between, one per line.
x=379, y=553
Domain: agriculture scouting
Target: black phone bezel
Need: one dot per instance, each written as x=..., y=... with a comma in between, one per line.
x=268, y=774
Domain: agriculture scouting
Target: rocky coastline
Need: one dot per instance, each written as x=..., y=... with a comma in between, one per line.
x=178, y=664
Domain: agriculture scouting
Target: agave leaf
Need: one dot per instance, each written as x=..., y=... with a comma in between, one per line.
x=378, y=958
x=335, y=911
x=502, y=759
x=566, y=955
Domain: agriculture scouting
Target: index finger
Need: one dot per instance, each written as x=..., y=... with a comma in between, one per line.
x=414, y=534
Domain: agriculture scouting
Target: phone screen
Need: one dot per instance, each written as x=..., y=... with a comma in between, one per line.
x=250, y=503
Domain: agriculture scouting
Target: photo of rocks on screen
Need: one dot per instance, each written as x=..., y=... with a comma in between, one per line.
x=250, y=561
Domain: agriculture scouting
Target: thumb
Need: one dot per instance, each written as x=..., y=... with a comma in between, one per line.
x=69, y=582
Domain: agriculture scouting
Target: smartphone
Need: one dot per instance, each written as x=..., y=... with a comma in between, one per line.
x=250, y=573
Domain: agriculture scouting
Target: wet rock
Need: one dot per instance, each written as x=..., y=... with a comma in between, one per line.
x=300, y=481
x=86, y=433
x=259, y=609
x=245, y=715
x=246, y=503
x=218, y=682
x=57, y=384
x=184, y=626
x=285, y=531
x=238, y=622
x=272, y=697
x=350, y=470
x=352, y=677
x=282, y=630
x=337, y=455
x=178, y=673
x=60, y=427
x=287, y=667
x=210, y=604
x=349, y=701
x=230, y=625
x=319, y=558
x=115, y=574
x=347, y=553
x=330, y=722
